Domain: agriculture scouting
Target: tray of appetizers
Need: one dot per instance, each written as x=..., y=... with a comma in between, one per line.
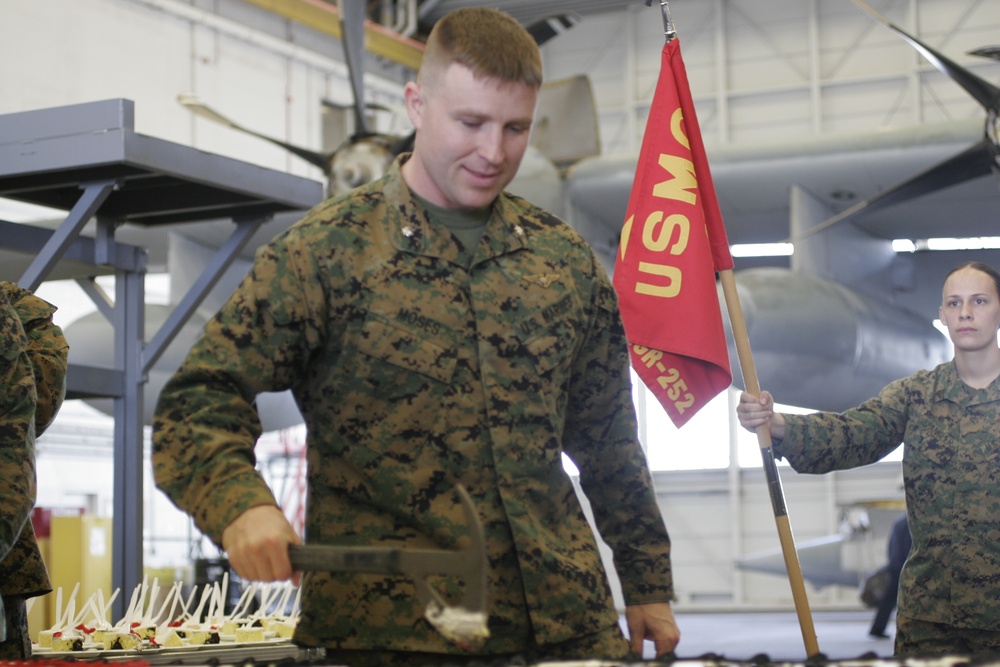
x=150, y=630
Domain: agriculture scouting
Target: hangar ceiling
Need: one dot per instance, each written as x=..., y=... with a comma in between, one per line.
x=525, y=11
x=401, y=26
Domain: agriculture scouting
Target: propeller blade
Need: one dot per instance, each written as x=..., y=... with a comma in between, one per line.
x=545, y=29
x=986, y=52
x=978, y=160
x=973, y=162
x=981, y=90
x=352, y=19
x=373, y=106
x=201, y=109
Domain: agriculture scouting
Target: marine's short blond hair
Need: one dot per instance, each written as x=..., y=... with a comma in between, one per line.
x=489, y=42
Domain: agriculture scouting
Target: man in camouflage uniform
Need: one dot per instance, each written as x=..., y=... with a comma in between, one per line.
x=32, y=370
x=22, y=570
x=435, y=331
x=947, y=419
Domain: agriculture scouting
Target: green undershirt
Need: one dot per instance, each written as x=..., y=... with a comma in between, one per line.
x=467, y=226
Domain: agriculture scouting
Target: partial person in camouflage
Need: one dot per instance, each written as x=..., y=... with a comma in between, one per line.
x=947, y=420
x=22, y=570
x=48, y=351
x=17, y=459
x=435, y=331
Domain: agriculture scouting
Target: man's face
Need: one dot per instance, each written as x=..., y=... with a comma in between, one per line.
x=471, y=136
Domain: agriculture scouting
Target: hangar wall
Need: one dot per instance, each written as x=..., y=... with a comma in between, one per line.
x=758, y=71
x=774, y=71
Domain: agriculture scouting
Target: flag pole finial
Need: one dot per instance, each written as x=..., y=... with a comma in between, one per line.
x=668, y=25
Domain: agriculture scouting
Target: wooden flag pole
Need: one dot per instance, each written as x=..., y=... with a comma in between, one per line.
x=770, y=468
x=763, y=432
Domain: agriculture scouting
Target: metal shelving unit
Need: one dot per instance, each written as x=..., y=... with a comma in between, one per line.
x=87, y=160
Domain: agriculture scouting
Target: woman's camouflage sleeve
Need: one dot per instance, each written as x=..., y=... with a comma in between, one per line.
x=17, y=431
x=601, y=438
x=822, y=442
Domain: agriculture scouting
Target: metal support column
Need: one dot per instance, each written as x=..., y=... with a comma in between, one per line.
x=127, y=543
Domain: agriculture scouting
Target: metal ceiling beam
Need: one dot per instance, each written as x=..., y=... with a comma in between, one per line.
x=324, y=17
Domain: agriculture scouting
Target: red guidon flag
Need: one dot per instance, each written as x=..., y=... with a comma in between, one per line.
x=672, y=244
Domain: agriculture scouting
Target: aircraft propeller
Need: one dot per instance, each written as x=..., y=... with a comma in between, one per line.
x=975, y=161
x=366, y=154
x=362, y=157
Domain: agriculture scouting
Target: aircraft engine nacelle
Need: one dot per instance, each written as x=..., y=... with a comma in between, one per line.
x=539, y=182
x=820, y=345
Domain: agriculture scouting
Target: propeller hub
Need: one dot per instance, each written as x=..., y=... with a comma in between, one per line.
x=358, y=163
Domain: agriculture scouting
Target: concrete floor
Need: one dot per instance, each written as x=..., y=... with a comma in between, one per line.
x=740, y=636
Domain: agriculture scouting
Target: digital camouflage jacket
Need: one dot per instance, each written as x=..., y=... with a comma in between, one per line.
x=23, y=571
x=17, y=431
x=414, y=374
x=951, y=471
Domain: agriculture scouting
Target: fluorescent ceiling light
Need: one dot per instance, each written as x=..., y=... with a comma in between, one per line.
x=761, y=249
x=898, y=245
x=978, y=243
